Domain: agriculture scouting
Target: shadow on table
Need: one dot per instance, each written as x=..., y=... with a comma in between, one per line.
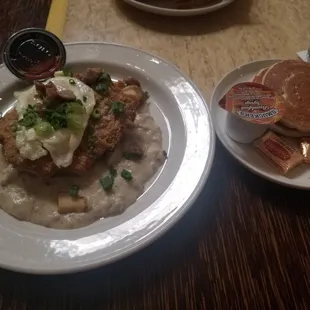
x=234, y=14
x=158, y=261
x=289, y=201
x=155, y=267
x=292, y=202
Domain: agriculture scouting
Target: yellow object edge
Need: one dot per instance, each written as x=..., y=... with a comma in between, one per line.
x=57, y=17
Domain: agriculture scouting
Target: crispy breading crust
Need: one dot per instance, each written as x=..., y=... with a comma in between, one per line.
x=107, y=132
x=43, y=166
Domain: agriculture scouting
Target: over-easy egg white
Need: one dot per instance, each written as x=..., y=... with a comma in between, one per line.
x=28, y=144
x=62, y=143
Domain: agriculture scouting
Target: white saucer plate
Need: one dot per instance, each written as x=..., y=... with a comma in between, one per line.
x=245, y=153
x=188, y=136
x=177, y=12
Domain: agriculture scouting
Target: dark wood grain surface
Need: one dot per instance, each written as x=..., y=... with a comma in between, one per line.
x=19, y=14
x=244, y=245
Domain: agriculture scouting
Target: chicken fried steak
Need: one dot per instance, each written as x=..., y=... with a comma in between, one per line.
x=115, y=109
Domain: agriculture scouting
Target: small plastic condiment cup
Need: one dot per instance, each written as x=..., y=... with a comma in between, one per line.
x=242, y=131
x=251, y=109
x=34, y=54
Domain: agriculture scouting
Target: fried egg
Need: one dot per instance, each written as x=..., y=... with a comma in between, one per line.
x=60, y=144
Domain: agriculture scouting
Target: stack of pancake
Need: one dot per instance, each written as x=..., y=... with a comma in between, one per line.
x=291, y=79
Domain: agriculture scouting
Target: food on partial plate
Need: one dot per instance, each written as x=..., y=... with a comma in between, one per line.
x=76, y=148
x=285, y=144
x=291, y=79
x=180, y=4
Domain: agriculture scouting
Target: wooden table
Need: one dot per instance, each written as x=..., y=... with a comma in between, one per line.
x=245, y=244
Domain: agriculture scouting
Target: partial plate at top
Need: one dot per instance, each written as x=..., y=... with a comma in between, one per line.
x=150, y=7
x=245, y=153
x=183, y=116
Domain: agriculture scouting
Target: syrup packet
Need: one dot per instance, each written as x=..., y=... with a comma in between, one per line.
x=254, y=103
x=305, y=149
x=283, y=155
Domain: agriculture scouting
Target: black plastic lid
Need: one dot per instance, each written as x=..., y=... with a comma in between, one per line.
x=34, y=54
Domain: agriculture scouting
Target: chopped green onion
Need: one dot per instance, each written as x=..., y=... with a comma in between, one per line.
x=117, y=107
x=36, y=108
x=74, y=189
x=101, y=87
x=113, y=172
x=57, y=117
x=107, y=182
x=30, y=117
x=105, y=77
x=28, y=121
x=125, y=174
x=75, y=107
x=96, y=114
x=43, y=128
x=67, y=72
x=132, y=156
x=56, y=124
x=75, y=121
x=72, y=82
x=59, y=73
x=84, y=98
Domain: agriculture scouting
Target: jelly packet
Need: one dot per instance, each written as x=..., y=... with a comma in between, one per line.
x=279, y=152
x=254, y=103
x=305, y=149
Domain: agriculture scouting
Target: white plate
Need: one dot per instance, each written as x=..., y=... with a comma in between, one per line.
x=245, y=154
x=180, y=110
x=176, y=12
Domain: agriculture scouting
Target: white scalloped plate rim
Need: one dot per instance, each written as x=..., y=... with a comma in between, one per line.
x=182, y=111
x=298, y=178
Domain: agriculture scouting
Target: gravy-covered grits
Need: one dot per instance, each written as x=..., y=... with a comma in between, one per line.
x=77, y=148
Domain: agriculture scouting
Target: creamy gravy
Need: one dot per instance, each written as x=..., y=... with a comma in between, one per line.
x=29, y=199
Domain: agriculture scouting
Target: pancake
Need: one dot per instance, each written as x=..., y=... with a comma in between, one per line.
x=277, y=74
x=288, y=132
x=287, y=77
x=296, y=91
x=260, y=76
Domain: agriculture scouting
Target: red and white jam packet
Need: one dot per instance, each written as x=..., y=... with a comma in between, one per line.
x=305, y=149
x=254, y=103
x=284, y=156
